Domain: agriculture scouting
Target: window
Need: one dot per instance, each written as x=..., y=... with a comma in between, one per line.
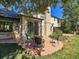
x=33, y=28
x=5, y=26
x=30, y=28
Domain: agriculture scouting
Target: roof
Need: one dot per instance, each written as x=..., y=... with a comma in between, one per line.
x=6, y=13
x=32, y=16
x=9, y=19
x=12, y=14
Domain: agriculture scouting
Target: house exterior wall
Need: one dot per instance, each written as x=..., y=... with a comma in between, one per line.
x=56, y=22
x=25, y=21
x=24, y=27
x=43, y=28
x=47, y=23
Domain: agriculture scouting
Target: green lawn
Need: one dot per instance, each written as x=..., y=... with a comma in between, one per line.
x=69, y=51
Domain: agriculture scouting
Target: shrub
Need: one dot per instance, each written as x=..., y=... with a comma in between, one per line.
x=57, y=34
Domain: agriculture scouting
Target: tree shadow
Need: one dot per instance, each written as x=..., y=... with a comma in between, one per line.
x=9, y=51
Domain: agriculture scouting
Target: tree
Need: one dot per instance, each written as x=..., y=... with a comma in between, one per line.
x=33, y=5
x=66, y=26
x=71, y=13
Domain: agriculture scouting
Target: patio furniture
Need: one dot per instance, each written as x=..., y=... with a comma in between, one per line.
x=39, y=42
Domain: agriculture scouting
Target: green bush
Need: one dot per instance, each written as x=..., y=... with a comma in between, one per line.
x=57, y=34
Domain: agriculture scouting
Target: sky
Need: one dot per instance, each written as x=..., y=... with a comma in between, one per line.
x=55, y=11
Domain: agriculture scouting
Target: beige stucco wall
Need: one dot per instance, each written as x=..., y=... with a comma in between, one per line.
x=47, y=23
x=43, y=27
x=24, y=23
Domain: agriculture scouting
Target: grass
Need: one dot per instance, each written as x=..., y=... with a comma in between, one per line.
x=69, y=51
